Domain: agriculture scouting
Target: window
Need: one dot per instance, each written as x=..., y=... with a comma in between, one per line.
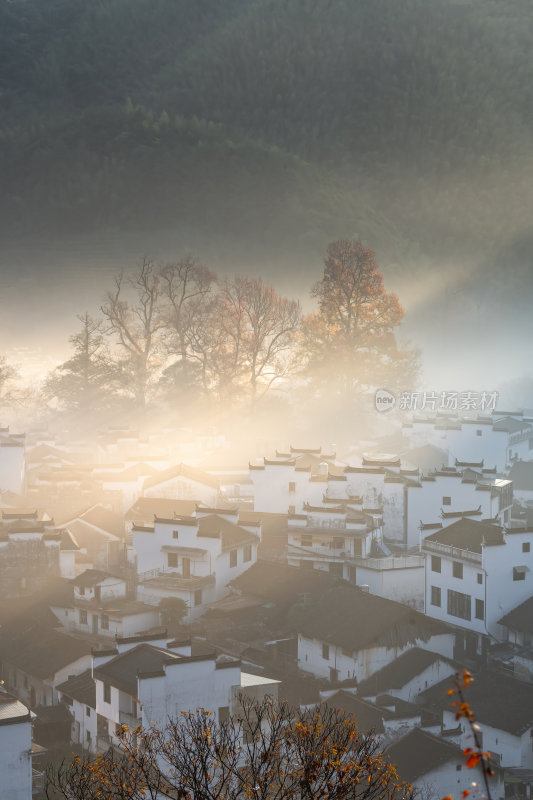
x=306, y=540
x=247, y=553
x=175, y=534
x=87, y=711
x=459, y=605
x=479, y=432
x=435, y=564
x=105, y=622
x=233, y=558
x=223, y=714
x=107, y=693
x=292, y=487
x=457, y=569
x=172, y=560
x=292, y=510
x=88, y=736
x=526, y=547
x=325, y=651
x=458, y=767
x=435, y=596
x=333, y=674
x=83, y=617
x=186, y=567
x=480, y=609
x=338, y=543
x=198, y=597
x=446, y=501
x=519, y=574
x=480, y=577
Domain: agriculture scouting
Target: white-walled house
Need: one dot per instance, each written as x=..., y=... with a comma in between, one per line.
x=504, y=713
x=193, y=558
x=286, y=483
x=15, y=748
x=183, y=482
x=351, y=634
x=35, y=659
x=100, y=535
x=33, y=550
x=78, y=692
x=497, y=441
x=341, y=538
x=475, y=573
x=149, y=683
x=408, y=675
x=100, y=605
x=436, y=767
x=12, y=462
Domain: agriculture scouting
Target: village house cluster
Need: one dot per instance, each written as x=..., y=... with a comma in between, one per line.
x=152, y=573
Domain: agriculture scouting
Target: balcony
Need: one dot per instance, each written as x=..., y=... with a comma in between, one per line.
x=130, y=720
x=455, y=553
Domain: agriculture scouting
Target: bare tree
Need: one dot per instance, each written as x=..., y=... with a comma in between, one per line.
x=268, y=751
x=137, y=325
x=185, y=285
x=259, y=327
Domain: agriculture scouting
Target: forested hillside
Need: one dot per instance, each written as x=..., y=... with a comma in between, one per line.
x=274, y=117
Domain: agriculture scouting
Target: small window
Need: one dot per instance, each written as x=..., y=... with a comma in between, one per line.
x=457, y=569
x=292, y=509
x=526, y=547
x=435, y=596
x=88, y=736
x=105, y=622
x=479, y=432
x=83, y=617
x=233, y=558
x=87, y=711
x=458, y=767
x=198, y=597
x=435, y=564
x=519, y=574
x=338, y=543
x=247, y=553
x=480, y=577
x=292, y=487
x=325, y=651
x=173, y=560
x=333, y=675
x=446, y=501
x=480, y=609
x=175, y=534
x=223, y=714
x=306, y=540
x=107, y=693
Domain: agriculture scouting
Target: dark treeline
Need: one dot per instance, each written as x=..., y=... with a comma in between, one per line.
x=420, y=111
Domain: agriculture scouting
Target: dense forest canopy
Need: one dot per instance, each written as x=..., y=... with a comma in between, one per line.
x=420, y=110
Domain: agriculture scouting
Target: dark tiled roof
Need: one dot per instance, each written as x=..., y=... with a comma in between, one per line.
x=40, y=651
x=367, y=715
x=91, y=577
x=399, y=672
x=104, y=519
x=419, y=752
x=122, y=670
x=232, y=535
x=510, y=425
x=80, y=687
x=498, y=700
x=468, y=534
x=279, y=583
x=520, y=618
x=353, y=619
x=12, y=711
x=146, y=508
